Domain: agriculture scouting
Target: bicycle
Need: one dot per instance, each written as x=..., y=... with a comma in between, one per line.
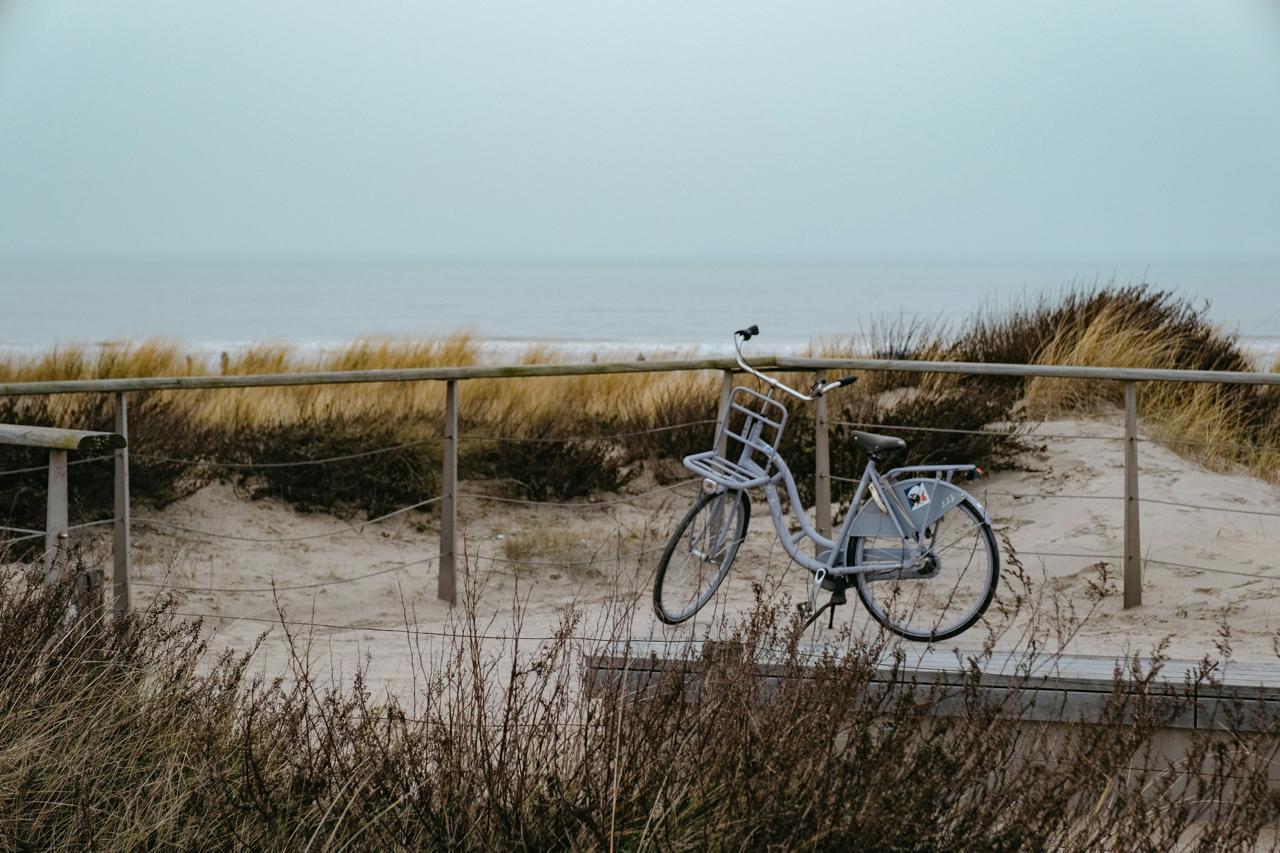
x=918, y=549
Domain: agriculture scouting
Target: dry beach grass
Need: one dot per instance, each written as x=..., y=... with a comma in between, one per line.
x=124, y=736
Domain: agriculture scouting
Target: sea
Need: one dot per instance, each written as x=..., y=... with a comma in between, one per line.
x=602, y=307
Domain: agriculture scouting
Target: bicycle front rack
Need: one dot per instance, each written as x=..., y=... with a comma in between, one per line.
x=752, y=431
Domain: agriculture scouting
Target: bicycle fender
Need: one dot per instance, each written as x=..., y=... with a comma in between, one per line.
x=925, y=499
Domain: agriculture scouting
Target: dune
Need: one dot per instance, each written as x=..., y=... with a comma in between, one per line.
x=367, y=594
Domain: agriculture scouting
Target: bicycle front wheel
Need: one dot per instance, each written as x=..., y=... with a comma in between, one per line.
x=699, y=555
x=945, y=595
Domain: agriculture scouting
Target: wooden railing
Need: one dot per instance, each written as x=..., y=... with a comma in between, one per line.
x=59, y=442
x=453, y=376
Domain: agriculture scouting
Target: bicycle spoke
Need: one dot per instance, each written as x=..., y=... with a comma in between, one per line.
x=946, y=591
x=699, y=555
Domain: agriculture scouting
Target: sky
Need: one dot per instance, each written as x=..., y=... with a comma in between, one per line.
x=1143, y=130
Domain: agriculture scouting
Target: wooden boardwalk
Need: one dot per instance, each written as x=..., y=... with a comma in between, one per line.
x=1057, y=689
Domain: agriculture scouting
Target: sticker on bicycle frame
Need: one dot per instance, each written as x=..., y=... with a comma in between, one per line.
x=917, y=496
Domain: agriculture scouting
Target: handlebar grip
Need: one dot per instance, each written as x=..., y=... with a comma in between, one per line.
x=848, y=380
x=749, y=332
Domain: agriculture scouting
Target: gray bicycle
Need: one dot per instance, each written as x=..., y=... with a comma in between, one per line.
x=918, y=549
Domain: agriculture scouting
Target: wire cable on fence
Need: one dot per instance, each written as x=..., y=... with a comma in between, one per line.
x=1062, y=496
x=571, y=438
x=1020, y=495
x=20, y=530
x=559, y=563
x=159, y=522
x=1147, y=561
x=582, y=504
x=548, y=563
x=995, y=433
x=1068, y=496
x=1072, y=554
x=347, y=457
x=1242, y=510
x=316, y=585
x=1193, y=443
x=45, y=466
x=41, y=533
x=405, y=629
x=1153, y=561
x=296, y=463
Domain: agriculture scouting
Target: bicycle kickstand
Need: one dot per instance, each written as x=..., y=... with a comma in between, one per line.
x=837, y=598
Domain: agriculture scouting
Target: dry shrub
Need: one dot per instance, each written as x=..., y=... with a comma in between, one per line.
x=547, y=469
x=126, y=736
x=375, y=467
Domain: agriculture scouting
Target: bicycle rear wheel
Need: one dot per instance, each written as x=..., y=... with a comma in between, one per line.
x=949, y=593
x=699, y=555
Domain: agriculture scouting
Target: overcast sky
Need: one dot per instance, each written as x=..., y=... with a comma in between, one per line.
x=1101, y=130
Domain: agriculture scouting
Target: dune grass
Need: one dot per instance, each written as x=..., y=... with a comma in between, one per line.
x=1117, y=326
x=1220, y=425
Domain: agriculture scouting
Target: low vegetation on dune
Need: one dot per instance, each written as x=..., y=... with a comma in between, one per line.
x=564, y=437
x=124, y=735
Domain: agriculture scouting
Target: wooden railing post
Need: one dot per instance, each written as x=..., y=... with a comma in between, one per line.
x=447, y=584
x=1132, y=538
x=821, y=463
x=55, y=518
x=722, y=413
x=120, y=542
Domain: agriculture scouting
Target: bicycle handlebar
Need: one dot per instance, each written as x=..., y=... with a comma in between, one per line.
x=819, y=388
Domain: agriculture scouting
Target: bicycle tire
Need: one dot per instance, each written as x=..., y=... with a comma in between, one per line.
x=991, y=579
x=664, y=581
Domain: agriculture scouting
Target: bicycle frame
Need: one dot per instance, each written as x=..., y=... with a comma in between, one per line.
x=884, y=514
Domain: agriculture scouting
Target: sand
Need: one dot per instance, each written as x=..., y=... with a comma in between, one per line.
x=382, y=578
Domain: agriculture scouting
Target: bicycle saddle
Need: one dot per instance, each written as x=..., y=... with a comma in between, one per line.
x=877, y=445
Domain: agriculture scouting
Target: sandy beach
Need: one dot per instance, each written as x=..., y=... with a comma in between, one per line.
x=354, y=592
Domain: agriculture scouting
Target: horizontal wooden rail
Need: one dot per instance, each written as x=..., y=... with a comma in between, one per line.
x=346, y=377
x=517, y=371
x=1049, y=371
x=59, y=439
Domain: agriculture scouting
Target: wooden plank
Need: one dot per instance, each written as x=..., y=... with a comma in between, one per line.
x=121, y=533
x=447, y=581
x=1086, y=673
x=1060, y=688
x=768, y=363
x=822, y=463
x=1132, y=533
x=1051, y=371
x=346, y=377
x=55, y=519
x=59, y=439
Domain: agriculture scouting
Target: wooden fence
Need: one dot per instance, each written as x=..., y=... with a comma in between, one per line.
x=453, y=377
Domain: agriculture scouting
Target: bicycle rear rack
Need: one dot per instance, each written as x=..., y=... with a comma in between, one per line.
x=755, y=425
